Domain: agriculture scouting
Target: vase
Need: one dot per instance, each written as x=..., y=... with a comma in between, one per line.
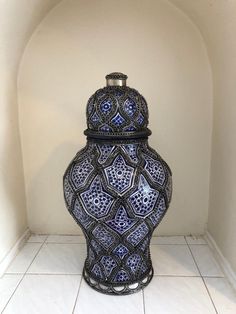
x=118, y=189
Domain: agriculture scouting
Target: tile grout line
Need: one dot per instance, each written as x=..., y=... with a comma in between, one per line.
x=202, y=278
x=42, y=243
x=144, y=310
x=77, y=295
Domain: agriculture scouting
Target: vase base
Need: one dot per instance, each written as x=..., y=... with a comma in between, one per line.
x=115, y=289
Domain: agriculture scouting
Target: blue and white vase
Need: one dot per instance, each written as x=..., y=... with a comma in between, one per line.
x=117, y=189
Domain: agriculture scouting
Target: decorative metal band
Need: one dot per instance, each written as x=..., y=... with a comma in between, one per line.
x=119, y=289
x=118, y=135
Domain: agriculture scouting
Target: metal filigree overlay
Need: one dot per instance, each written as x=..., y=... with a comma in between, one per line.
x=117, y=189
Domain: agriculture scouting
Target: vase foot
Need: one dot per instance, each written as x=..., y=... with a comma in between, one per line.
x=118, y=289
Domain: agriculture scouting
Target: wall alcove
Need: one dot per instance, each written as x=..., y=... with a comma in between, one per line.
x=66, y=60
x=173, y=51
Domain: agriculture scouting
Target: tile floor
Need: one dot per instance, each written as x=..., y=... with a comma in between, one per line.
x=45, y=278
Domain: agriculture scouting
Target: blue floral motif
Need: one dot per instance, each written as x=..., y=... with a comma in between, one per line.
x=131, y=151
x=96, y=201
x=155, y=170
x=144, y=199
x=121, y=250
x=83, y=218
x=138, y=234
x=97, y=271
x=130, y=107
x=121, y=276
x=118, y=120
x=133, y=262
x=105, y=151
x=119, y=175
x=80, y=172
x=109, y=264
x=95, y=119
x=104, y=236
x=106, y=106
x=105, y=128
x=121, y=222
x=158, y=214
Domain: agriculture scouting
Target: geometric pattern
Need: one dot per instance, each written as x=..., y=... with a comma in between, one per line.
x=105, y=151
x=157, y=215
x=138, y=234
x=109, y=264
x=103, y=236
x=119, y=175
x=118, y=120
x=131, y=151
x=112, y=192
x=130, y=107
x=117, y=190
x=121, y=250
x=117, y=109
x=121, y=222
x=133, y=262
x=106, y=106
x=80, y=172
x=82, y=217
x=155, y=169
x=121, y=276
x=144, y=199
x=96, y=201
x=97, y=271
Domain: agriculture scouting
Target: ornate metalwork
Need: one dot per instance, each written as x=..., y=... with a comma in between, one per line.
x=117, y=189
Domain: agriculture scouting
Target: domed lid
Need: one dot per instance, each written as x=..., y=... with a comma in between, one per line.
x=117, y=111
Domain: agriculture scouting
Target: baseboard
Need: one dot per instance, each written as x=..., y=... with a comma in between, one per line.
x=225, y=265
x=13, y=251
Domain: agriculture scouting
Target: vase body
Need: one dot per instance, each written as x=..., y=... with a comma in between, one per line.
x=117, y=189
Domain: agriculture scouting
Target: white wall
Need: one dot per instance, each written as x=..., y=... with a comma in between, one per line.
x=17, y=21
x=217, y=22
x=66, y=60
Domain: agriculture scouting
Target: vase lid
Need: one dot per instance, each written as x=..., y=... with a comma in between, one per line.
x=117, y=111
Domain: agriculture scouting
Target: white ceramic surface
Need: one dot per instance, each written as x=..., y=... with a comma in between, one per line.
x=38, y=238
x=174, y=260
x=8, y=284
x=59, y=259
x=177, y=295
x=223, y=295
x=168, y=240
x=89, y=301
x=206, y=261
x=45, y=294
x=195, y=240
x=24, y=258
x=65, y=239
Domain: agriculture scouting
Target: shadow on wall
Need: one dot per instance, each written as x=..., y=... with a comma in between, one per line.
x=44, y=214
x=11, y=171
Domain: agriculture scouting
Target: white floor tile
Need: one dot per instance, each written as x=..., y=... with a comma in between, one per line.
x=195, y=240
x=24, y=258
x=223, y=295
x=39, y=238
x=59, y=259
x=206, y=261
x=44, y=294
x=177, y=295
x=90, y=301
x=8, y=284
x=65, y=239
x=173, y=260
x=168, y=240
